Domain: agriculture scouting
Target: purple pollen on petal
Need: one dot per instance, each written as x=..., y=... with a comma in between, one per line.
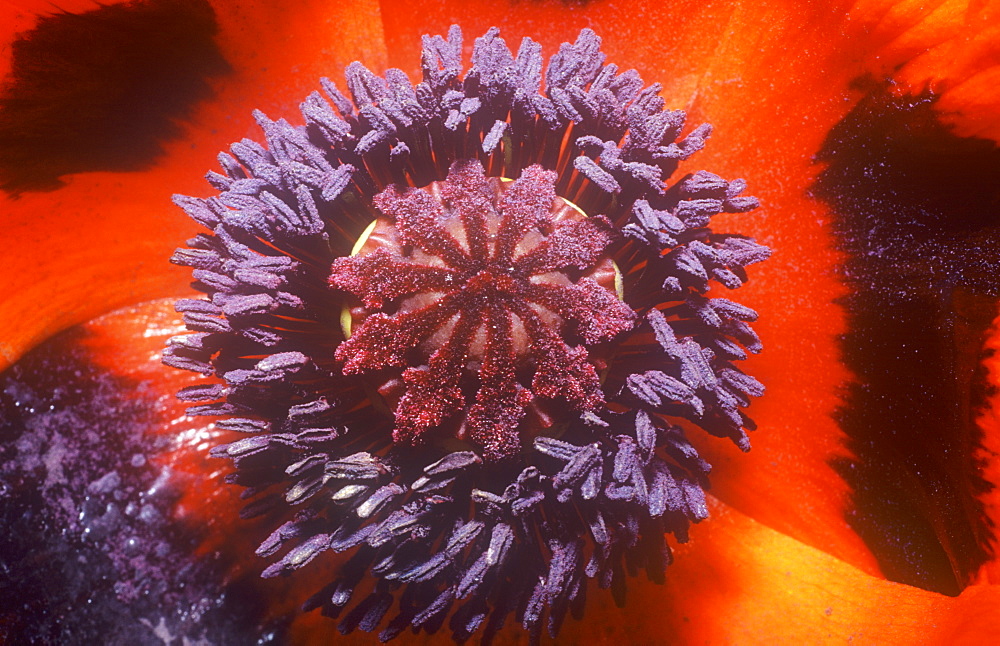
x=486, y=293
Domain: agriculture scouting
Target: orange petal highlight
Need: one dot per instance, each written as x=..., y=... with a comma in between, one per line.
x=739, y=582
x=951, y=48
x=129, y=343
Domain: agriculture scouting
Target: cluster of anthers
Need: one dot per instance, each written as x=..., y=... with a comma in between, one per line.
x=462, y=327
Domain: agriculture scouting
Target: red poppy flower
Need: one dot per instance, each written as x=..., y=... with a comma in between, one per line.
x=868, y=133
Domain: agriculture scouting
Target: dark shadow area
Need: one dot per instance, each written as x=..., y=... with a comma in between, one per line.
x=918, y=214
x=102, y=90
x=89, y=553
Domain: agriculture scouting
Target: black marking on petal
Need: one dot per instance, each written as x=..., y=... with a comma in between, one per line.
x=102, y=90
x=917, y=214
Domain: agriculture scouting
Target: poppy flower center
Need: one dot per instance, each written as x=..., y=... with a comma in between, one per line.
x=488, y=294
x=538, y=430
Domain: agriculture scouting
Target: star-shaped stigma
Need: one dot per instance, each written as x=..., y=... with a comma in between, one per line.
x=489, y=295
